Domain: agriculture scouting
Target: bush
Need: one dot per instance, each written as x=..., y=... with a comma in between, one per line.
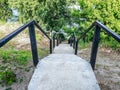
x=7, y=76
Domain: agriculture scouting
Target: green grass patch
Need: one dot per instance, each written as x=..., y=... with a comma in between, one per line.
x=115, y=45
x=7, y=76
x=12, y=59
x=43, y=52
x=21, y=57
x=8, y=55
x=38, y=37
x=83, y=45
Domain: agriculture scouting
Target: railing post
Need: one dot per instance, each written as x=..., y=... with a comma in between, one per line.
x=71, y=41
x=50, y=46
x=33, y=44
x=57, y=39
x=74, y=42
x=95, y=43
x=53, y=42
x=76, y=47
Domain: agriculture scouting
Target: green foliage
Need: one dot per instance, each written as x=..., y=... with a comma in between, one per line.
x=12, y=55
x=5, y=11
x=27, y=9
x=39, y=37
x=56, y=14
x=52, y=13
x=12, y=60
x=105, y=11
x=111, y=43
x=42, y=52
x=83, y=44
x=7, y=76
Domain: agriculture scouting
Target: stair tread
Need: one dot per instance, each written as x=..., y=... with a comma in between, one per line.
x=63, y=72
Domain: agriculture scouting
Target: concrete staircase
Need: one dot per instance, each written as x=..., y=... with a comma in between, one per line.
x=63, y=70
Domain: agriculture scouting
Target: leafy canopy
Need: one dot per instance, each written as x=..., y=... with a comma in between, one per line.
x=52, y=13
x=5, y=11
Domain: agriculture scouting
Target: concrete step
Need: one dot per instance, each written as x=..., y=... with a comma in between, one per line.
x=63, y=72
x=63, y=48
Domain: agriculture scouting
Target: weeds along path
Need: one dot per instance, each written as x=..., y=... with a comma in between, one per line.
x=107, y=67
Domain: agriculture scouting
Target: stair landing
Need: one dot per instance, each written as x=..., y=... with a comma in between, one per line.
x=63, y=71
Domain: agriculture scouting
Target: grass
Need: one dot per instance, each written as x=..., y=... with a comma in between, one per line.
x=42, y=52
x=7, y=76
x=12, y=55
x=113, y=44
x=83, y=45
x=11, y=58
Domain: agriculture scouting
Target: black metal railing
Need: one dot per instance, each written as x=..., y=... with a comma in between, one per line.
x=31, y=25
x=56, y=39
x=98, y=26
x=72, y=40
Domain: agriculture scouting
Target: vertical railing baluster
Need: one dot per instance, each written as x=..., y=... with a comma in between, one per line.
x=57, y=39
x=33, y=43
x=51, y=46
x=76, y=47
x=70, y=41
x=53, y=42
x=57, y=42
x=95, y=43
x=74, y=42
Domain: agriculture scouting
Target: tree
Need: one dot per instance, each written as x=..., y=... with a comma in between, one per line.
x=5, y=11
x=53, y=13
x=105, y=11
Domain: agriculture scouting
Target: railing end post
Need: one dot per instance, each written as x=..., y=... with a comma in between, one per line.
x=33, y=44
x=95, y=43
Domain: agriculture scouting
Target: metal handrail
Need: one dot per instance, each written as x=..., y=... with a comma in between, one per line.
x=5, y=39
x=72, y=40
x=98, y=25
x=31, y=27
x=41, y=30
x=109, y=31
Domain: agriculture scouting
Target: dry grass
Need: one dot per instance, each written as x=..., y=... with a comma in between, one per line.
x=107, y=67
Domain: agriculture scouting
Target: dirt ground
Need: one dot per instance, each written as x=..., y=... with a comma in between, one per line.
x=22, y=76
x=107, y=68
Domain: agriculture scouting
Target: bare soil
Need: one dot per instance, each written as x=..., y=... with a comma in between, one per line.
x=23, y=76
x=107, y=68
